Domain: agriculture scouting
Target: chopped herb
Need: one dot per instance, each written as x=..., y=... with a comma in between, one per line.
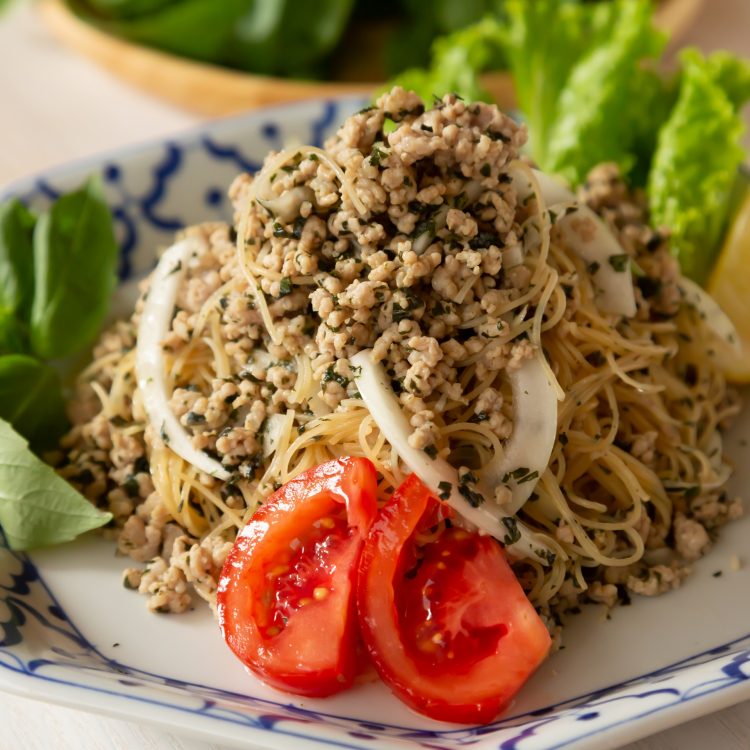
x=467, y=477
x=528, y=477
x=426, y=128
x=619, y=262
x=330, y=375
x=593, y=267
x=496, y=136
x=377, y=155
x=649, y=287
x=445, y=490
x=131, y=486
x=513, y=534
x=285, y=286
x=692, y=492
x=473, y=498
x=484, y=240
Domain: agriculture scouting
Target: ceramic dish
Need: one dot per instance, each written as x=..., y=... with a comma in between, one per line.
x=70, y=633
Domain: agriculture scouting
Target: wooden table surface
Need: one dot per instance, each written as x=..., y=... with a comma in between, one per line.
x=54, y=107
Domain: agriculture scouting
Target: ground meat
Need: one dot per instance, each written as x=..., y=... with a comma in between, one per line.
x=691, y=539
x=409, y=240
x=657, y=580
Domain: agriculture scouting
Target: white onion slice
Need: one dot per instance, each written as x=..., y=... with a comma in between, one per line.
x=149, y=362
x=553, y=190
x=587, y=235
x=590, y=239
x=529, y=448
x=437, y=474
x=710, y=312
x=272, y=434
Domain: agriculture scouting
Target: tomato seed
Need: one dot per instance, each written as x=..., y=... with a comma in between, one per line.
x=320, y=593
x=327, y=523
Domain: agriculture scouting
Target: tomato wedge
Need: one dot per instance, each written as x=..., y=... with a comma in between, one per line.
x=446, y=623
x=286, y=601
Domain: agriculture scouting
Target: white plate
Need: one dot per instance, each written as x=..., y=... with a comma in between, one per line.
x=70, y=633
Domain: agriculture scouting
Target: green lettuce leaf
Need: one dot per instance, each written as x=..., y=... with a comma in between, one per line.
x=37, y=507
x=542, y=42
x=594, y=120
x=697, y=155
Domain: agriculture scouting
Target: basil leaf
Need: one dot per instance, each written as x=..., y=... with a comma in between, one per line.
x=31, y=400
x=12, y=339
x=16, y=257
x=37, y=507
x=74, y=255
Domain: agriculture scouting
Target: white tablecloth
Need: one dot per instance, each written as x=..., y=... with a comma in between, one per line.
x=56, y=106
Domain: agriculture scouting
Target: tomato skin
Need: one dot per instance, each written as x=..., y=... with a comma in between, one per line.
x=512, y=640
x=313, y=652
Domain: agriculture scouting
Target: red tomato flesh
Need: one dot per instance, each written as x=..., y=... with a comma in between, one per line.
x=286, y=593
x=446, y=623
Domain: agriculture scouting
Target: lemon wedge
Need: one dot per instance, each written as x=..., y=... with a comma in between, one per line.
x=729, y=285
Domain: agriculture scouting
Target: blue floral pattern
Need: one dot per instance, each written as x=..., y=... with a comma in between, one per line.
x=155, y=190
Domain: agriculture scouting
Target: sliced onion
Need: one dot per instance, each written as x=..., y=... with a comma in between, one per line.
x=437, y=474
x=553, y=190
x=513, y=256
x=529, y=448
x=275, y=426
x=585, y=233
x=591, y=240
x=285, y=207
x=149, y=362
x=709, y=311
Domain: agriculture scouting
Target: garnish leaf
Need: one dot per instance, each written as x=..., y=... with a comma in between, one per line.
x=542, y=41
x=593, y=122
x=697, y=156
x=37, y=507
x=74, y=256
x=31, y=400
x=16, y=257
